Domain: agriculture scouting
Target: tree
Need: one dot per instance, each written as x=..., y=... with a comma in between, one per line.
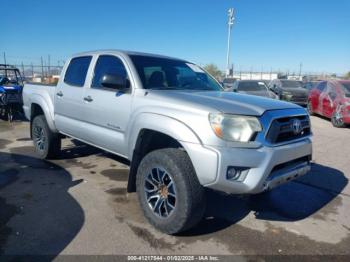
x=213, y=70
x=347, y=75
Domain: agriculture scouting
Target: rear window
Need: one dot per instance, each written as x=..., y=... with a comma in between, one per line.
x=346, y=88
x=77, y=70
x=291, y=84
x=229, y=80
x=251, y=86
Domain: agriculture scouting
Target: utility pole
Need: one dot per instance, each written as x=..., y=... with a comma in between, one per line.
x=48, y=65
x=300, y=67
x=42, y=68
x=22, y=69
x=4, y=58
x=230, y=24
x=32, y=69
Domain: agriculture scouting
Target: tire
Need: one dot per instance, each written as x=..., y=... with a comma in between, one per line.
x=337, y=121
x=47, y=143
x=309, y=108
x=189, y=201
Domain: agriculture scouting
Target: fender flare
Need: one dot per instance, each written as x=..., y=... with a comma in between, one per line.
x=46, y=108
x=163, y=124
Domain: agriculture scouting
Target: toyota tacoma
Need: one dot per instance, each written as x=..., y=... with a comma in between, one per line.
x=180, y=131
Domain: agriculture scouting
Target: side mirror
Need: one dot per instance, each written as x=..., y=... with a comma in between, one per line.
x=114, y=82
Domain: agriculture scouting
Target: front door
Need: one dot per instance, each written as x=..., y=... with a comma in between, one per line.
x=107, y=110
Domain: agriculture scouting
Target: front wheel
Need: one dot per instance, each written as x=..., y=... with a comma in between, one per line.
x=169, y=192
x=337, y=120
x=47, y=143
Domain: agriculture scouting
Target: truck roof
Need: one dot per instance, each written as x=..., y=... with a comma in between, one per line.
x=123, y=52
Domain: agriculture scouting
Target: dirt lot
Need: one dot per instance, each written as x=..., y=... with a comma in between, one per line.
x=78, y=205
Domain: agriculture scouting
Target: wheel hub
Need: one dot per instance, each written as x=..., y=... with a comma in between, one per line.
x=160, y=192
x=163, y=191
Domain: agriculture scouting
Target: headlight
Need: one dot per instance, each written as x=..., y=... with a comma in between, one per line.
x=234, y=127
x=285, y=93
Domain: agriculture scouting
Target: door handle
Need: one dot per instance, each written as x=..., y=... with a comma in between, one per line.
x=88, y=99
x=60, y=94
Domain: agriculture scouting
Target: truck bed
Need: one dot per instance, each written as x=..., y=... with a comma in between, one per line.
x=35, y=92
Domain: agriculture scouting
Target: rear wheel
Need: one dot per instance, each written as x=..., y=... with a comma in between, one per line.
x=337, y=120
x=169, y=192
x=47, y=143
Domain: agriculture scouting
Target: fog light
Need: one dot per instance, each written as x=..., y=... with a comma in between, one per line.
x=236, y=173
x=232, y=173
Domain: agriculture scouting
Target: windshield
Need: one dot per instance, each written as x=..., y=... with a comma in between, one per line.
x=9, y=76
x=291, y=84
x=229, y=80
x=172, y=74
x=346, y=88
x=251, y=86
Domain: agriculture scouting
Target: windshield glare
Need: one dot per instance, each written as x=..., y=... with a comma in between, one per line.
x=251, y=86
x=172, y=74
x=290, y=84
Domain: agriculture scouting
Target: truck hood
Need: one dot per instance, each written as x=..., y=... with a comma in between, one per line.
x=225, y=102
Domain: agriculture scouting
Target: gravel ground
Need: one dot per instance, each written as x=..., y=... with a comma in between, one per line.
x=78, y=205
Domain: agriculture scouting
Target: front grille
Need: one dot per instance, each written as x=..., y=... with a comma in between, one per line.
x=302, y=98
x=283, y=129
x=13, y=98
x=12, y=91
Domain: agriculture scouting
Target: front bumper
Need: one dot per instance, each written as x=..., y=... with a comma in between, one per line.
x=299, y=100
x=266, y=167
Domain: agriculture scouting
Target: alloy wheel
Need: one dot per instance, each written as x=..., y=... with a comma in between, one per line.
x=160, y=192
x=39, y=138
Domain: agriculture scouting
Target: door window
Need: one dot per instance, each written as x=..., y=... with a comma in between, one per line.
x=332, y=92
x=321, y=86
x=77, y=70
x=107, y=64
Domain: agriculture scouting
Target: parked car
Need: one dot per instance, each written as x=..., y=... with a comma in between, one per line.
x=228, y=83
x=253, y=87
x=177, y=128
x=332, y=100
x=289, y=90
x=11, y=86
x=310, y=85
x=267, y=82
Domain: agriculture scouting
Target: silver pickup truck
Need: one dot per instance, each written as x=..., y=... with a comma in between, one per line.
x=177, y=127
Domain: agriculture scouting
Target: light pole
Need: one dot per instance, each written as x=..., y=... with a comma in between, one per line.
x=230, y=24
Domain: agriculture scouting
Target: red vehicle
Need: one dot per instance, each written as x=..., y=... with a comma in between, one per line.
x=332, y=100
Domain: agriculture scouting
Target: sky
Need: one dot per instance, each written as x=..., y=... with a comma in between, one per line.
x=267, y=34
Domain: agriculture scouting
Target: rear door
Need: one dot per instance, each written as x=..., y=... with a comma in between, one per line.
x=107, y=110
x=69, y=106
